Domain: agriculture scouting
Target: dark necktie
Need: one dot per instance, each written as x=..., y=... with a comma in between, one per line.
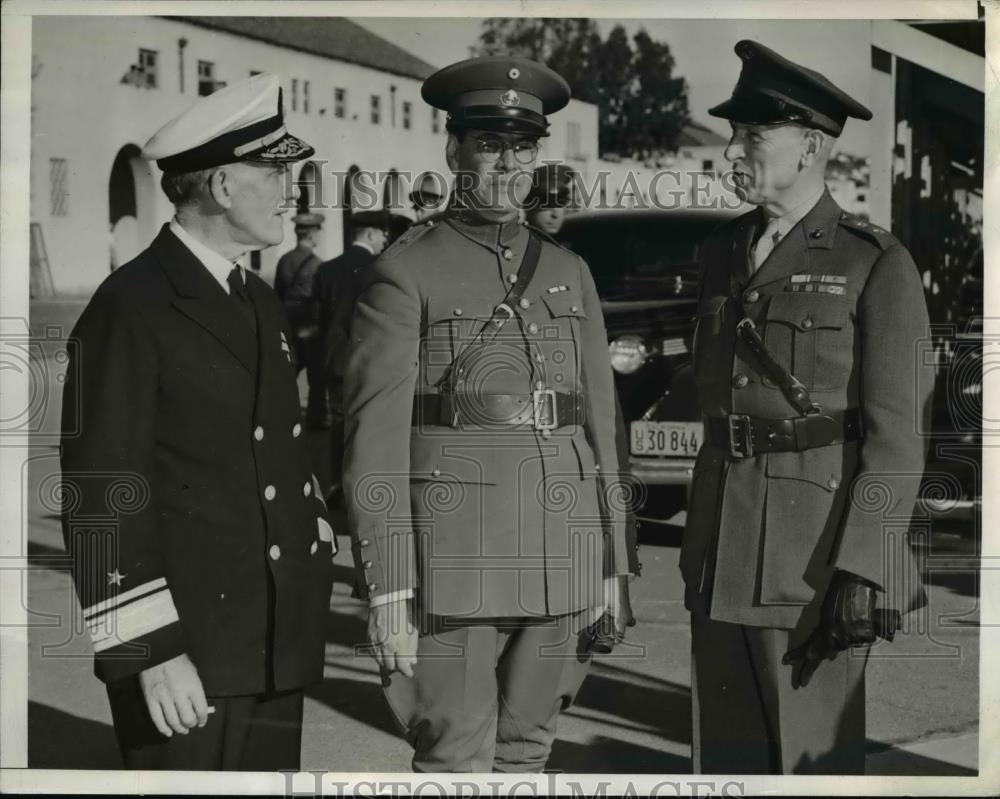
x=768, y=240
x=238, y=293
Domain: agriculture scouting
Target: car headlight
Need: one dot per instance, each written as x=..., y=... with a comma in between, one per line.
x=628, y=353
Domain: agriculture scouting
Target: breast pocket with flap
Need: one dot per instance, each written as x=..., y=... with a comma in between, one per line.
x=811, y=336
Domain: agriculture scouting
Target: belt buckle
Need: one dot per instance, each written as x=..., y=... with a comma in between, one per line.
x=540, y=398
x=740, y=435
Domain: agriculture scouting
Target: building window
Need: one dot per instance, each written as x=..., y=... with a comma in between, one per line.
x=206, y=78
x=435, y=121
x=708, y=165
x=147, y=68
x=407, y=112
x=252, y=73
x=295, y=94
x=573, y=147
x=59, y=186
x=340, y=103
x=305, y=97
x=376, y=109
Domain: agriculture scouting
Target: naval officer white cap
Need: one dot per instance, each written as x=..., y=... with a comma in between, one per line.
x=241, y=122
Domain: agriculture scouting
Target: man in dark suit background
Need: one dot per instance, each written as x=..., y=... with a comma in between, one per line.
x=335, y=292
x=206, y=584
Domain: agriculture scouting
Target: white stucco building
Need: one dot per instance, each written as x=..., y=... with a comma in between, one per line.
x=103, y=85
x=691, y=176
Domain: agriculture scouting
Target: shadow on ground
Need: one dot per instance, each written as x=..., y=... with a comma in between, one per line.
x=57, y=739
x=882, y=762
x=613, y=756
x=662, y=707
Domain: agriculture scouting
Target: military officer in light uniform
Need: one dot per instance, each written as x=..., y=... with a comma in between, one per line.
x=807, y=366
x=201, y=554
x=480, y=467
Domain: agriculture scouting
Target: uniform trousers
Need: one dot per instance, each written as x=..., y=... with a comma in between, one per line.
x=751, y=716
x=487, y=696
x=245, y=733
x=309, y=356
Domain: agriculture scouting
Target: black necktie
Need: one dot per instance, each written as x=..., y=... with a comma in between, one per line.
x=238, y=292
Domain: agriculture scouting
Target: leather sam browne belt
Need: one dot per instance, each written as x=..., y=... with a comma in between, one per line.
x=745, y=436
x=545, y=409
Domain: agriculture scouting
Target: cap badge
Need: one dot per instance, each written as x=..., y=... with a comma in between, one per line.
x=514, y=73
x=510, y=97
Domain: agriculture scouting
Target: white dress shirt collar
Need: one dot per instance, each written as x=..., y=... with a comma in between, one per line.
x=217, y=265
x=793, y=216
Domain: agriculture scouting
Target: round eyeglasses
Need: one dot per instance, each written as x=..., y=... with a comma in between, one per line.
x=492, y=149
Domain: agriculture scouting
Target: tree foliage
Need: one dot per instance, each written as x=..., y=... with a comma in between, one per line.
x=642, y=106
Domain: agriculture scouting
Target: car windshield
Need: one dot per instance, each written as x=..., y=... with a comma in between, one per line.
x=644, y=253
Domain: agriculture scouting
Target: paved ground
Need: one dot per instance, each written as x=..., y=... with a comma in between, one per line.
x=632, y=716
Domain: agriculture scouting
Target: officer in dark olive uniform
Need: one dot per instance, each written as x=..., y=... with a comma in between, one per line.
x=551, y=193
x=201, y=555
x=812, y=387
x=294, y=275
x=481, y=468
x=429, y=196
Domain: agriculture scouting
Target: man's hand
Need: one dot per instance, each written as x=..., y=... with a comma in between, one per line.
x=848, y=618
x=608, y=628
x=393, y=636
x=174, y=696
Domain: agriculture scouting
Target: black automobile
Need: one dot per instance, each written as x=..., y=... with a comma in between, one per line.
x=645, y=265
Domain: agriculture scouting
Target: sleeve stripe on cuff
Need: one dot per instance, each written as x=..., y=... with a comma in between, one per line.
x=134, y=620
x=92, y=612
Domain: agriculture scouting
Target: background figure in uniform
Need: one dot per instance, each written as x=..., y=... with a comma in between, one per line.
x=396, y=224
x=206, y=587
x=335, y=292
x=812, y=389
x=480, y=466
x=551, y=193
x=293, y=283
x=429, y=197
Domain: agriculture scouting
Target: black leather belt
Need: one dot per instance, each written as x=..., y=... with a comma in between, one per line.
x=545, y=409
x=745, y=436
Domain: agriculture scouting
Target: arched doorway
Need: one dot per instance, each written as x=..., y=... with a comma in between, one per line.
x=131, y=199
x=310, y=187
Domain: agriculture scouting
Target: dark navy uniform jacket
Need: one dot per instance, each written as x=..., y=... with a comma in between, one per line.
x=840, y=304
x=190, y=510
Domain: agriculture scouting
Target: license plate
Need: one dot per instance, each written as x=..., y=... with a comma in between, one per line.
x=666, y=438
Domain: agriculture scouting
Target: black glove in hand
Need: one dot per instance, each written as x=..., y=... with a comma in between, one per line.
x=609, y=630
x=848, y=618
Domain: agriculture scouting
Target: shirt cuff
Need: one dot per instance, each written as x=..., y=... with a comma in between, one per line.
x=392, y=596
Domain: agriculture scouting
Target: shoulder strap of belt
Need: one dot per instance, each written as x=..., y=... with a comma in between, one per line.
x=793, y=389
x=504, y=312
